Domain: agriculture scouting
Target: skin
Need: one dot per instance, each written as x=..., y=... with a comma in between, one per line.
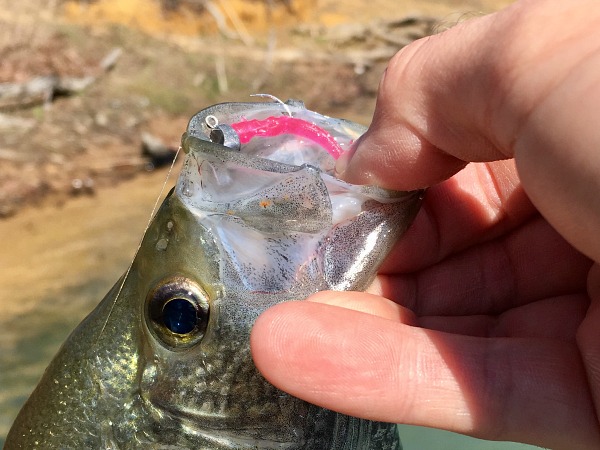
x=485, y=319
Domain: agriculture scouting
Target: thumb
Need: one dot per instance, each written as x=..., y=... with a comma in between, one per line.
x=518, y=83
x=440, y=105
x=429, y=120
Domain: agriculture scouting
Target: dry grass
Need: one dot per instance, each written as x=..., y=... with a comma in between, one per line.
x=25, y=22
x=168, y=71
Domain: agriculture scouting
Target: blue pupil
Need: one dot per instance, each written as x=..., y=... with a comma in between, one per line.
x=179, y=316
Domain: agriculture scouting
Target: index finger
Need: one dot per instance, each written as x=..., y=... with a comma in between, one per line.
x=376, y=368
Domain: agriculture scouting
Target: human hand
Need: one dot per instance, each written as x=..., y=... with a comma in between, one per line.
x=485, y=319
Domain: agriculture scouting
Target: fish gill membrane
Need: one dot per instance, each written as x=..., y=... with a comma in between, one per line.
x=257, y=217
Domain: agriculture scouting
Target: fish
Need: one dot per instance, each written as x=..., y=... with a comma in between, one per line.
x=257, y=217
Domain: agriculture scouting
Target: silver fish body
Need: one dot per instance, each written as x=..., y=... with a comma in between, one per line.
x=164, y=361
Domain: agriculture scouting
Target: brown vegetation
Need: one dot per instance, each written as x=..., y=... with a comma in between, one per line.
x=178, y=56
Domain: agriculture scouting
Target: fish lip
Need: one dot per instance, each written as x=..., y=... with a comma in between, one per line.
x=221, y=430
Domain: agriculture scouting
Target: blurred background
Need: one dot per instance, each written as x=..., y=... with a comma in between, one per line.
x=94, y=97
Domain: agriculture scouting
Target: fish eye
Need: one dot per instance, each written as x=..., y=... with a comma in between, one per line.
x=179, y=315
x=177, y=311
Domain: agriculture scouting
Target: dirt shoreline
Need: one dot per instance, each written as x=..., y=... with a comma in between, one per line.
x=52, y=248
x=328, y=54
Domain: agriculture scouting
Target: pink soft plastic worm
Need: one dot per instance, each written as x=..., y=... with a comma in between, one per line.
x=276, y=126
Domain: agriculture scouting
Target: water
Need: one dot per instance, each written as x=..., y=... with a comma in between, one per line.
x=56, y=266
x=60, y=262
x=421, y=438
x=28, y=342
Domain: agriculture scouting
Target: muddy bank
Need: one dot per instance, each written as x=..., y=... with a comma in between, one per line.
x=51, y=247
x=174, y=61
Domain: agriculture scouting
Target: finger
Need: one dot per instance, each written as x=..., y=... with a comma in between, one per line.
x=560, y=168
x=553, y=318
x=414, y=141
x=466, y=94
x=532, y=263
x=478, y=204
x=587, y=337
x=478, y=93
x=366, y=303
x=530, y=390
x=432, y=110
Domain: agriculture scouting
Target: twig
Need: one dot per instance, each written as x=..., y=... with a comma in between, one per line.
x=221, y=73
x=212, y=9
x=238, y=24
x=268, y=62
x=110, y=60
x=43, y=89
x=35, y=91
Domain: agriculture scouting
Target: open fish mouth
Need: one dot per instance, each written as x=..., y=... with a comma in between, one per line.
x=258, y=170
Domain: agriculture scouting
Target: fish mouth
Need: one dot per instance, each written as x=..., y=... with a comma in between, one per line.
x=222, y=431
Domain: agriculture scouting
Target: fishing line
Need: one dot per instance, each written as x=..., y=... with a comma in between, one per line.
x=154, y=208
x=277, y=100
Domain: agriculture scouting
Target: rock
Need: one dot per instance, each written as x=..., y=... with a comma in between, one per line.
x=158, y=153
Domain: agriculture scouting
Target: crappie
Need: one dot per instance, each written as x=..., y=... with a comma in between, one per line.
x=256, y=218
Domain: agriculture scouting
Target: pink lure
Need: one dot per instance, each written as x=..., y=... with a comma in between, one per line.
x=276, y=126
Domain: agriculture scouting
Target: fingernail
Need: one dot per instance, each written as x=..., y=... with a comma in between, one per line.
x=343, y=161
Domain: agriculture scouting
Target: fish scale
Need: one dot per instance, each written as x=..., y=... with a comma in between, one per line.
x=248, y=225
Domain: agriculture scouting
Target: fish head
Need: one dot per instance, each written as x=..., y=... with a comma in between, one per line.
x=164, y=360
x=196, y=375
